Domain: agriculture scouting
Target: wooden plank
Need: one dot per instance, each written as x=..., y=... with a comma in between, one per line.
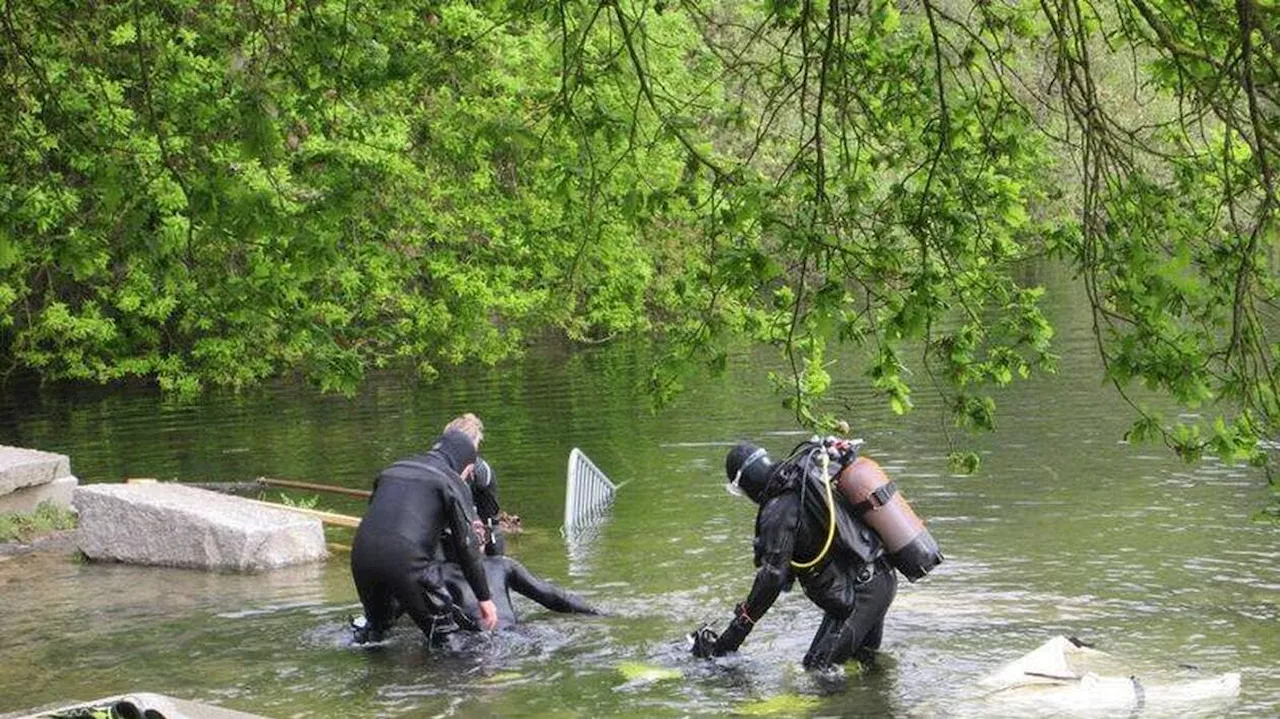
x=338, y=520
x=312, y=486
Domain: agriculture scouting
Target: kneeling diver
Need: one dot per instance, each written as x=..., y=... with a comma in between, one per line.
x=803, y=532
x=506, y=574
x=393, y=555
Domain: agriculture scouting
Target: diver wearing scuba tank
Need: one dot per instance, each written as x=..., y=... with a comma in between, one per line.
x=805, y=531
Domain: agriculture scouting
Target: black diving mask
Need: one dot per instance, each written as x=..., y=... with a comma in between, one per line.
x=734, y=486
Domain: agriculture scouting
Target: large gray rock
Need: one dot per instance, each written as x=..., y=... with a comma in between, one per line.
x=137, y=704
x=24, y=500
x=21, y=467
x=176, y=526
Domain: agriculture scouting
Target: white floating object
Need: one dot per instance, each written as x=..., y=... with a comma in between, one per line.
x=1064, y=678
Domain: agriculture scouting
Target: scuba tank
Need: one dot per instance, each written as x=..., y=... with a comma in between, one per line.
x=875, y=499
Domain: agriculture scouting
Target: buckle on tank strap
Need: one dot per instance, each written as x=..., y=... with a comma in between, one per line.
x=878, y=498
x=866, y=573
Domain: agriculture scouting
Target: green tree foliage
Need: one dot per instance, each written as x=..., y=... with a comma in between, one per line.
x=884, y=167
x=210, y=194
x=214, y=193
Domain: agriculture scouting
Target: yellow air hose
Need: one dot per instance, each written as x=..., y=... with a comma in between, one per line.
x=831, y=518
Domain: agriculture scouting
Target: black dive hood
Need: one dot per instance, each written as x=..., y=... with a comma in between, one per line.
x=747, y=467
x=456, y=449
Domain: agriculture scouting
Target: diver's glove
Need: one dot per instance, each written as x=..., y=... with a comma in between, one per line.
x=701, y=641
x=362, y=632
x=736, y=632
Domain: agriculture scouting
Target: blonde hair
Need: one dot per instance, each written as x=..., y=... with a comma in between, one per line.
x=468, y=424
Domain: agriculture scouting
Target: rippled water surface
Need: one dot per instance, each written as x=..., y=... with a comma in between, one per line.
x=1065, y=530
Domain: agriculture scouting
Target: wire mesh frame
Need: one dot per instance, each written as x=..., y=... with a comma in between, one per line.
x=588, y=491
x=581, y=543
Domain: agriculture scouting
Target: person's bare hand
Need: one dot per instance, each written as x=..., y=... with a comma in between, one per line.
x=488, y=614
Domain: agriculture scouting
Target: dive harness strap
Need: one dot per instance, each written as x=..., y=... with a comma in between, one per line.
x=876, y=499
x=831, y=518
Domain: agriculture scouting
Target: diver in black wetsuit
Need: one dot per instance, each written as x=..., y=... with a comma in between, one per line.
x=852, y=582
x=506, y=574
x=484, y=494
x=413, y=502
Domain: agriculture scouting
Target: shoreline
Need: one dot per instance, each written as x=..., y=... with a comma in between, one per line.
x=61, y=540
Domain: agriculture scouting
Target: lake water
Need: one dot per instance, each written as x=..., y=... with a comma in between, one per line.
x=1064, y=530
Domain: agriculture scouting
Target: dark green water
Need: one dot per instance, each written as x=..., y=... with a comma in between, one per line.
x=1066, y=530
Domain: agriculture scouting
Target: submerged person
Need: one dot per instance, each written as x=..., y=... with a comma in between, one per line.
x=803, y=533
x=506, y=574
x=393, y=556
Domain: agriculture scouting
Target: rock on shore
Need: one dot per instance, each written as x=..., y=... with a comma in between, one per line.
x=29, y=477
x=176, y=526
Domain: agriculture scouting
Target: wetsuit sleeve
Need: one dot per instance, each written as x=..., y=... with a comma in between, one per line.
x=458, y=515
x=484, y=491
x=543, y=592
x=775, y=541
x=497, y=544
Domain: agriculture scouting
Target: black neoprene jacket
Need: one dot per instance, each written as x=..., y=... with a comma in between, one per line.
x=416, y=499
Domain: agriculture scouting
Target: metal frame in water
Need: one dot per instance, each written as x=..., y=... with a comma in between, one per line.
x=587, y=493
